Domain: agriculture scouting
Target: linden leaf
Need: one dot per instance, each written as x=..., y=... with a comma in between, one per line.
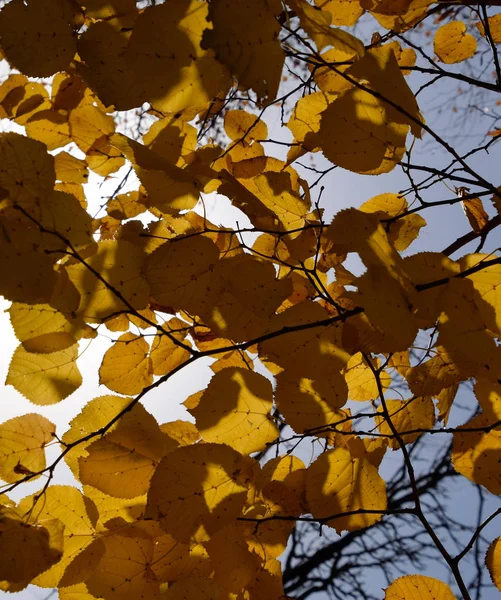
x=45, y=378
x=475, y=454
x=359, y=130
x=115, y=469
x=22, y=445
x=175, y=560
x=340, y=482
x=26, y=169
x=122, y=462
x=124, y=570
x=245, y=39
x=493, y=562
x=241, y=125
x=67, y=504
x=362, y=384
x=169, y=188
x=126, y=366
x=234, y=564
x=37, y=38
x=445, y=400
x=434, y=375
x=310, y=404
x=70, y=169
x=344, y=12
x=180, y=272
x=97, y=413
x=201, y=487
x=345, y=481
x=487, y=282
x=244, y=293
x=452, y=44
x=41, y=541
x=317, y=24
x=418, y=586
x=403, y=231
x=121, y=283
x=494, y=28
x=36, y=325
x=462, y=333
x=235, y=410
x=405, y=415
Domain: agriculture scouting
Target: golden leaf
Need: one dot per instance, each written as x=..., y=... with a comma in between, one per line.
x=22, y=445
x=426, y=588
x=452, y=44
x=235, y=410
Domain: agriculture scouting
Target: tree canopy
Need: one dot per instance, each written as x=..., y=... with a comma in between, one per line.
x=364, y=364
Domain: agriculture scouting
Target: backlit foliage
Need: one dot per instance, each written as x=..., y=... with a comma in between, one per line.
x=303, y=347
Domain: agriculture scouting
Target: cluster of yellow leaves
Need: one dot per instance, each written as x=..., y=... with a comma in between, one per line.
x=172, y=509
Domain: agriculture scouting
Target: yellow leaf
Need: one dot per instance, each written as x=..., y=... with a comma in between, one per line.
x=26, y=169
x=317, y=24
x=361, y=132
x=88, y=124
x=180, y=272
x=462, y=333
x=475, y=454
x=343, y=481
x=243, y=295
x=245, y=39
x=22, y=445
x=344, y=12
x=289, y=470
x=418, y=586
x=388, y=306
x=309, y=404
x=201, y=487
x=122, y=462
x=423, y=268
x=487, y=282
x=173, y=560
x=362, y=384
x=166, y=355
x=452, y=44
x=196, y=587
x=169, y=188
x=305, y=119
x=315, y=351
x=126, y=366
x=50, y=127
x=67, y=504
x=183, y=432
x=119, y=264
x=124, y=570
x=35, y=325
x=494, y=28
x=235, y=410
x=445, y=400
x=70, y=169
x=405, y=415
x=239, y=124
x=402, y=232
x=234, y=564
x=493, y=562
x=434, y=375
x=172, y=138
x=45, y=378
x=37, y=38
x=41, y=541
x=97, y=413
